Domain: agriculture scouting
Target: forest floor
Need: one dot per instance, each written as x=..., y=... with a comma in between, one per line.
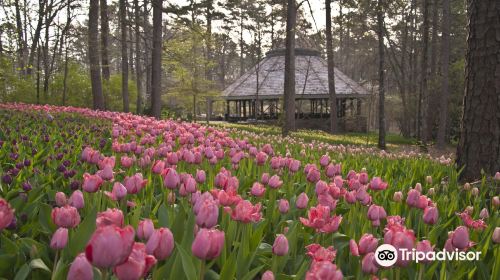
x=395, y=142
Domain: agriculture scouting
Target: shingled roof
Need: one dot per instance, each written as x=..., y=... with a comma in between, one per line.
x=311, y=78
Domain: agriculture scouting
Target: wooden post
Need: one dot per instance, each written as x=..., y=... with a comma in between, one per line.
x=228, y=110
x=262, y=108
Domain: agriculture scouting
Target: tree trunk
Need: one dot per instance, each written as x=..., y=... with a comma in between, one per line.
x=423, y=94
x=138, y=65
x=381, y=76
x=432, y=96
x=331, y=68
x=104, y=40
x=445, y=72
x=20, y=39
x=208, y=64
x=289, y=86
x=478, y=148
x=95, y=74
x=242, y=46
x=156, y=59
x=36, y=37
x=124, y=44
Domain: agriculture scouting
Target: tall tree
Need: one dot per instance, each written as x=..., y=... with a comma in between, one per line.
x=478, y=148
x=156, y=59
x=381, y=76
x=289, y=86
x=93, y=54
x=331, y=67
x=124, y=43
x=104, y=40
x=423, y=92
x=138, y=56
x=445, y=74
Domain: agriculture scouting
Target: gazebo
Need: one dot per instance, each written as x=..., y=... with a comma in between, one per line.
x=258, y=94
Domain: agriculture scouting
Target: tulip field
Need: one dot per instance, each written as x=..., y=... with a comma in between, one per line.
x=103, y=195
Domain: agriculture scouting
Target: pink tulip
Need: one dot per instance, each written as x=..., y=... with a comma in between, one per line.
x=318, y=253
x=424, y=247
x=398, y=196
x=200, y=176
x=280, y=246
x=80, y=269
x=170, y=178
x=110, y=246
x=91, y=183
x=245, y=212
x=145, y=229
x=495, y=237
x=350, y=197
x=321, y=187
x=324, y=270
x=134, y=183
x=66, y=216
x=430, y=215
x=106, y=173
x=208, y=244
x=261, y=158
x=206, y=211
x=119, y=191
x=376, y=213
x=324, y=160
x=59, y=239
x=319, y=218
x=412, y=198
x=76, y=200
x=294, y=165
x=484, y=214
x=160, y=243
x=460, y=238
x=363, y=178
x=268, y=275
x=257, y=189
x=264, y=178
x=137, y=265
x=377, y=184
x=275, y=182
x=60, y=199
x=353, y=248
x=313, y=175
x=110, y=217
x=333, y=169
x=126, y=161
x=302, y=201
x=422, y=202
x=158, y=167
x=367, y=244
x=6, y=214
x=284, y=206
x=368, y=264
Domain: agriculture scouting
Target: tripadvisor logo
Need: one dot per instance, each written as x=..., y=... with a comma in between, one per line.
x=386, y=255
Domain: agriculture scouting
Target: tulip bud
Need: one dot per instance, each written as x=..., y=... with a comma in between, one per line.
x=66, y=216
x=60, y=199
x=110, y=245
x=398, y=196
x=208, y=244
x=497, y=176
x=431, y=191
x=368, y=264
x=469, y=209
x=418, y=187
x=302, y=201
x=59, y=239
x=283, y=206
x=496, y=235
x=200, y=176
x=280, y=246
x=119, y=190
x=81, y=269
x=496, y=201
x=160, y=243
x=467, y=187
x=353, y=247
x=460, y=238
x=145, y=229
x=484, y=214
x=268, y=275
x=430, y=215
x=76, y=200
x=475, y=191
x=6, y=214
x=428, y=179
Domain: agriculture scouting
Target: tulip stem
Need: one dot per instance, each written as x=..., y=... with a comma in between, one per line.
x=202, y=270
x=104, y=274
x=55, y=264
